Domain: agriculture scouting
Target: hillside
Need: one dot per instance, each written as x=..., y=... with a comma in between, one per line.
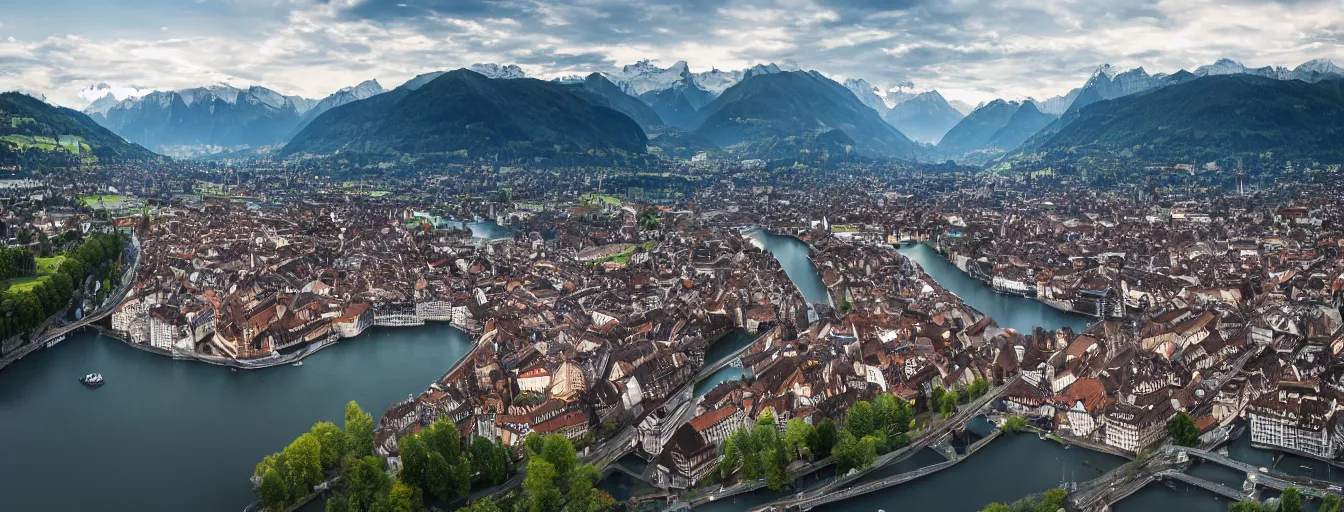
x=464, y=110
x=33, y=132
x=596, y=89
x=796, y=104
x=1205, y=119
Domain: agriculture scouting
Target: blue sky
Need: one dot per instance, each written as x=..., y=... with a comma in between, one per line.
x=972, y=50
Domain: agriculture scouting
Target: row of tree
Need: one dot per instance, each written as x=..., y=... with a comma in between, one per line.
x=1051, y=501
x=22, y=310
x=288, y=477
x=434, y=461
x=871, y=428
x=1289, y=501
x=555, y=480
x=16, y=262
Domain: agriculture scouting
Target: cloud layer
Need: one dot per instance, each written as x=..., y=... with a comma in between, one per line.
x=972, y=50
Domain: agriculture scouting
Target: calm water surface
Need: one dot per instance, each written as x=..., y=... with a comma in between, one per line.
x=177, y=435
x=1020, y=313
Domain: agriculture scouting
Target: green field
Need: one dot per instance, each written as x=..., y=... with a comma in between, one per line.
x=612, y=200
x=15, y=122
x=49, y=266
x=104, y=201
x=21, y=284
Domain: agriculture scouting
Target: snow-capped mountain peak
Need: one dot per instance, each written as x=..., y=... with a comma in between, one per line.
x=267, y=97
x=493, y=70
x=1223, y=66
x=102, y=105
x=224, y=92
x=1105, y=70
x=644, y=76
x=1322, y=66
x=365, y=89
x=866, y=94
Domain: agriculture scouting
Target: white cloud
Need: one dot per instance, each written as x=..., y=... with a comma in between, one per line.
x=973, y=50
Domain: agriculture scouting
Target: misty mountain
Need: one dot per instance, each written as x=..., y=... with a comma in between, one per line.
x=924, y=118
x=220, y=116
x=796, y=104
x=465, y=110
x=1025, y=122
x=596, y=89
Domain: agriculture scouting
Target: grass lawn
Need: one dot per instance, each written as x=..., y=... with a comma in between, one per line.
x=108, y=201
x=25, y=283
x=49, y=266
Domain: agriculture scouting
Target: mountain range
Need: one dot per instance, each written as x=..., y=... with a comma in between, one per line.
x=1210, y=118
x=726, y=108
x=466, y=111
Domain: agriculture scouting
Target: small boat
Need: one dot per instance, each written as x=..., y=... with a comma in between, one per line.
x=93, y=380
x=233, y=369
x=298, y=363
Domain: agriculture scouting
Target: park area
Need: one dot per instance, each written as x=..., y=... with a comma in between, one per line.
x=46, y=267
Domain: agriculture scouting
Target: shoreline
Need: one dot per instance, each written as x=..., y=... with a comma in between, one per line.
x=267, y=362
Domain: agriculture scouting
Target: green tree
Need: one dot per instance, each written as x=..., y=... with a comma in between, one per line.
x=402, y=498
x=358, y=430
x=892, y=414
x=558, y=451
x=438, y=478
x=1290, y=500
x=796, y=433
x=1183, y=430
x=364, y=481
x=824, y=439
x=339, y=502
x=274, y=495
x=332, y=440
x=776, y=470
x=1251, y=506
x=846, y=453
x=1331, y=503
x=534, y=444
x=442, y=437
x=414, y=461
x=582, y=495
x=482, y=505
x=936, y=397
x=303, y=465
x=1014, y=424
x=539, y=485
x=488, y=461
x=861, y=421
x=948, y=404
x=978, y=388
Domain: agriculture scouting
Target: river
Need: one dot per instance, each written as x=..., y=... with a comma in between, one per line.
x=1019, y=313
x=180, y=435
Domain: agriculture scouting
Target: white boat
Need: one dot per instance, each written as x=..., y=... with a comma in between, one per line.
x=92, y=380
x=298, y=363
